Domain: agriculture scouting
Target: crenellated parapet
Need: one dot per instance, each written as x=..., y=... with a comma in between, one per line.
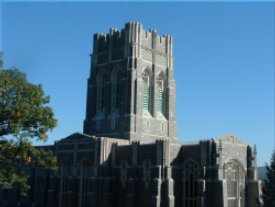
x=133, y=34
x=131, y=89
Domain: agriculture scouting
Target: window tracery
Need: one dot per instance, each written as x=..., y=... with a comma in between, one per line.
x=234, y=176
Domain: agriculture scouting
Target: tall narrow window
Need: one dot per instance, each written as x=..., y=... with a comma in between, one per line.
x=146, y=173
x=235, y=184
x=119, y=90
x=85, y=170
x=161, y=98
x=100, y=94
x=116, y=89
x=146, y=92
x=190, y=192
x=84, y=167
x=123, y=173
x=65, y=166
x=113, y=124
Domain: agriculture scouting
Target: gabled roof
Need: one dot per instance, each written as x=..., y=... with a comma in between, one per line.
x=231, y=139
x=76, y=136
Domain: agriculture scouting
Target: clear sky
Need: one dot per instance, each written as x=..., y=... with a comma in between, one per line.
x=224, y=61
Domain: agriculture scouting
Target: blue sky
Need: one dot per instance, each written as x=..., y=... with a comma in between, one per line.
x=224, y=60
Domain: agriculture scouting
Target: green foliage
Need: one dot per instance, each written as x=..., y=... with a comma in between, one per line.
x=23, y=108
x=24, y=115
x=269, y=184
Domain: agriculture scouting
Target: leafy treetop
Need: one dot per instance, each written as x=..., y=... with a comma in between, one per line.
x=23, y=107
x=24, y=115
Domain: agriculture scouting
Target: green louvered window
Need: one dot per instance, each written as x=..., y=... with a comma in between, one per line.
x=164, y=102
x=161, y=98
x=160, y=94
x=146, y=92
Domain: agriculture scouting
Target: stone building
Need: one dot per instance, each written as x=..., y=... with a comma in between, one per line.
x=129, y=154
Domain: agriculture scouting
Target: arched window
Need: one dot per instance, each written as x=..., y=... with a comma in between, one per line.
x=161, y=98
x=146, y=92
x=190, y=191
x=84, y=167
x=234, y=176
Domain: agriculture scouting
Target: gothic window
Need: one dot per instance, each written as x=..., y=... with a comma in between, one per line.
x=146, y=173
x=116, y=90
x=190, y=191
x=66, y=170
x=161, y=96
x=123, y=173
x=100, y=94
x=64, y=185
x=234, y=176
x=85, y=167
x=65, y=166
x=146, y=92
x=85, y=170
x=113, y=124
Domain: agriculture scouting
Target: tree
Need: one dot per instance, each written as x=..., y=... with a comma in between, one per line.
x=269, y=184
x=24, y=117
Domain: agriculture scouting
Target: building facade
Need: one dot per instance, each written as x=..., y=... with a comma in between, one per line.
x=128, y=154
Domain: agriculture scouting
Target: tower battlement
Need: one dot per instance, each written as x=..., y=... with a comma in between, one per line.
x=132, y=34
x=131, y=89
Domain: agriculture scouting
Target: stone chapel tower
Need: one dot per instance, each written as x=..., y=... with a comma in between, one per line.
x=131, y=89
x=129, y=155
